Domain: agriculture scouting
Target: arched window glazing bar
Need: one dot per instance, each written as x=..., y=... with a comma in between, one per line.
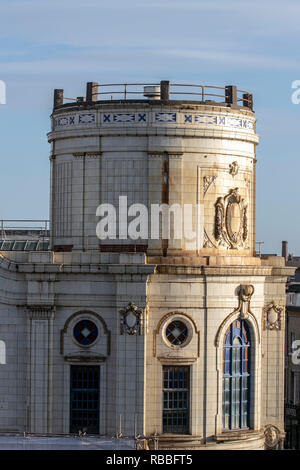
x=236, y=376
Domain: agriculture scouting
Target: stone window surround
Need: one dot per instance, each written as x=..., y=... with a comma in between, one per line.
x=162, y=325
x=188, y=325
x=80, y=315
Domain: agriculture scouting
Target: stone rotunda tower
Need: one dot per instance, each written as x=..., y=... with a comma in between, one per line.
x=178, y=339
x=196, y=353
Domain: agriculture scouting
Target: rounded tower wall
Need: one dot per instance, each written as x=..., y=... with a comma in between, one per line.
x=172, y=152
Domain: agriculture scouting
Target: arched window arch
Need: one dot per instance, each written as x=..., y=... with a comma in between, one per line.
x=236, y=376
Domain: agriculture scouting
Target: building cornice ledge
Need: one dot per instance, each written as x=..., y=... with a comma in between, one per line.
x=215, y=270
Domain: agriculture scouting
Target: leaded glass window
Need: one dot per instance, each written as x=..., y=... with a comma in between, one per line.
x=85, y=332
x=236, y=376
x=177, y=332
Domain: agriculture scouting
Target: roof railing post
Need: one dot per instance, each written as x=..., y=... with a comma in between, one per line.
x=58, y=98
x=248, y=100
x=92, y=91
x=165, y=90
x=231, y=95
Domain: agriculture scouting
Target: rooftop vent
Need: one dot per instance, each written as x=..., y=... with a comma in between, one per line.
x=152, y=92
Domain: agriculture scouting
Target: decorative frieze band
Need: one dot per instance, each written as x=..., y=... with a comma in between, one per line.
x=155, y=117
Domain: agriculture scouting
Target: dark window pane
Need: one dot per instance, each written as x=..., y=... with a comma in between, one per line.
x=176, y=400
x=84, y=399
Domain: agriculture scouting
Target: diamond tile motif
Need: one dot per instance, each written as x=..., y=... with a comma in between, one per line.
x=124, y=117
x=165, y=117
x=86, y=118
x=75, y=120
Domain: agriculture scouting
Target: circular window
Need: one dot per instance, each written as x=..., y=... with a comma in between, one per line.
x=177, y=333
x=85, y=332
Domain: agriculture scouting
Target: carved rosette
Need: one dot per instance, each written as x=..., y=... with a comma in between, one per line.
x=231, y=222
x=131, y=320
x=272, y=316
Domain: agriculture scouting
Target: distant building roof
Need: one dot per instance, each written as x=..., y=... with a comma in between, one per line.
x=24, y=235
x=24, y=245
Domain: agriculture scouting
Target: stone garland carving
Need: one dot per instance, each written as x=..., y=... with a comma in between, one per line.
x=272, y=436
x=207, y=242
x=233, y=169
x=207, y=182
x=245, y=224
x=131, y=320
x=272, y=316
x=231, y=224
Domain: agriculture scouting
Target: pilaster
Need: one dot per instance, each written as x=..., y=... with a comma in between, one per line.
x=40, y=368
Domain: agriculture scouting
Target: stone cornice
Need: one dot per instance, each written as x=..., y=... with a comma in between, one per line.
x=177, y=360
x=152, y=131
x=7, y=264
x=85, y=358
x=215, y=270
x=43, y=269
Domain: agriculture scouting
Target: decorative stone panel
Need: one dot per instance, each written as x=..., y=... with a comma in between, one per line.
x=272, y=316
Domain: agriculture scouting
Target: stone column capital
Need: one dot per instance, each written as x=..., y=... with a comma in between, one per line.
x=40, y=312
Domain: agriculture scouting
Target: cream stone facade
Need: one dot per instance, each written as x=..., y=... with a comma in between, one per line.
x=97, y=332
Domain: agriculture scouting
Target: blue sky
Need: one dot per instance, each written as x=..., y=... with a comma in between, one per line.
x=63, y=44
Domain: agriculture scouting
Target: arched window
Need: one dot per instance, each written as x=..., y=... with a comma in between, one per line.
x=2, y=352
x=236, y=376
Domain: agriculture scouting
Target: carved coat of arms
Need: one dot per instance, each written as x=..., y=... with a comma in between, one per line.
x=231, y=224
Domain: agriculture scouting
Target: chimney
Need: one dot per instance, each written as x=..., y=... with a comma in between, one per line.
x=284, y=250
